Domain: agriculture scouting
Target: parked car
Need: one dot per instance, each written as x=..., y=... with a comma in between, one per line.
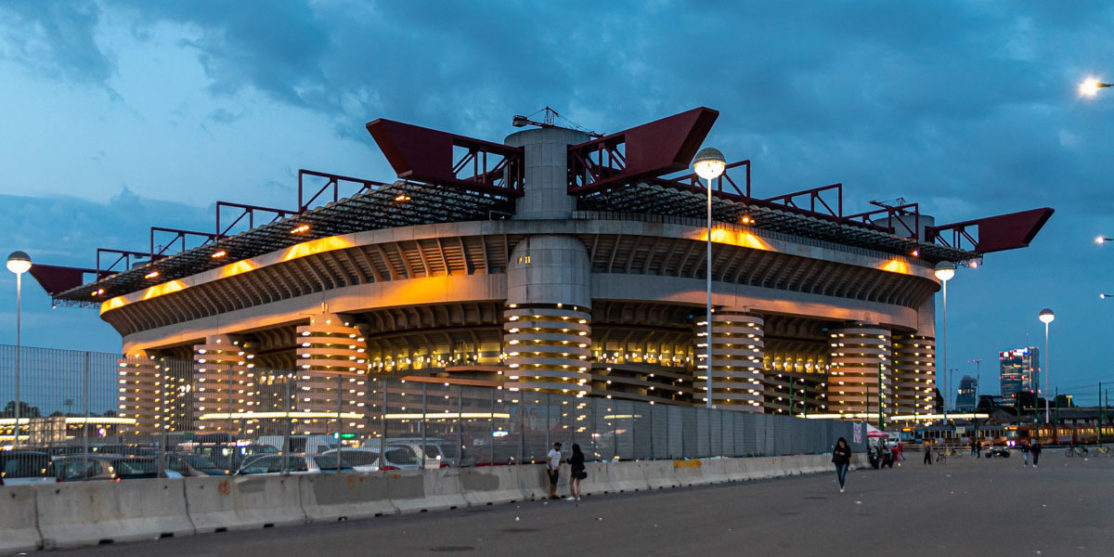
x=26, y=467
x=432, y=458
x=367, y=460
x=193, y=465
x=228, y=456
x=1001, y=452
x=294, y=464
x=435, y=448
x=309, y=444
x=107, y=467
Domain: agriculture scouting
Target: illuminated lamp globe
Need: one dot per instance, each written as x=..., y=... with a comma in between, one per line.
x=19, y=262
x=945, y=270
x=709, y=163
x=1046, y=316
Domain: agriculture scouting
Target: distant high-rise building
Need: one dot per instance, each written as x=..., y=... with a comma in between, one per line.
x=1019, y=371
x=965, y=397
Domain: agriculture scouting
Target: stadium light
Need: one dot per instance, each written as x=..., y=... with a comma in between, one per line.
x=945, y=270
x=18, y=262
x=1102, y=240
x=709, y=165
x=1046, y=316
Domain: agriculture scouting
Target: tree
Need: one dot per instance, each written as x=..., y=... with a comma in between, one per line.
x=25, y=410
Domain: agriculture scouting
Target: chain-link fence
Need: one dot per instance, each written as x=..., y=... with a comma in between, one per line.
x=86, y=415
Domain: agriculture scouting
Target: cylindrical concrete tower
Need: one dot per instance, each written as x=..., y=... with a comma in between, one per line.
x=861, y=370
x=914, y=374
x=546, y=187
x=547, y=334
x=737, y=353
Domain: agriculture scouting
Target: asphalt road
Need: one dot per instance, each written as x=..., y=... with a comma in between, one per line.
x=964, y=507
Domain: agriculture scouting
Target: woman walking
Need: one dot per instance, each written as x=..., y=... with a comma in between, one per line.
x=841, y=457
x=576, y=463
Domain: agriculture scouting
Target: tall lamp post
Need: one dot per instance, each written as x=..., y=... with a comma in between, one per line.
x=709, y=164
x=18, y=262
x=945, y=270
x=1046, y=316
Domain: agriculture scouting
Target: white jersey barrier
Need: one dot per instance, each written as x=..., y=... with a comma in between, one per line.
x=219, y=504
x=18, y=533
x=90, y=513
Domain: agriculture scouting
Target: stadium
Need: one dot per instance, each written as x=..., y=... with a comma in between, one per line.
x=558, y=261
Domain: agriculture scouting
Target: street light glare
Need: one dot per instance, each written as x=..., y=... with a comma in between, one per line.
x=1100, y=240
x=709, y=163
x=19, y=262
x=1089, y=87
x=1046, y=316
x=945, y=270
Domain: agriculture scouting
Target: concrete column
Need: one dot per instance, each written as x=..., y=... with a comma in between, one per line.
x=223, y=382
x=546, y=172
x=328, y=347
x=857, y=352
x=547, y=329
x=139, y=379
x=914, y=374
x=737, y=353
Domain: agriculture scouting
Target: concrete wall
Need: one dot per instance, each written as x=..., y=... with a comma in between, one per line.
x=90, y=513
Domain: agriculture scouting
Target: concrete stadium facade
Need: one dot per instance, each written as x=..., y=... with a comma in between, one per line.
x=555, y=295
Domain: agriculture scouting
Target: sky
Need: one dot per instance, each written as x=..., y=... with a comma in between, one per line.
x=122, y=115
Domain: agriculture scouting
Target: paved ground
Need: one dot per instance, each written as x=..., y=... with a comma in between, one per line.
x=965, y=507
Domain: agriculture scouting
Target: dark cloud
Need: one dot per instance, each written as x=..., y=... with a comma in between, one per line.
x=56, y=38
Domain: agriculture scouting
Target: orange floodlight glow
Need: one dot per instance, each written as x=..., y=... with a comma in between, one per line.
x=219, y=254
x=312, y=247
x=236, y=268
x=896, y=266
x=736, y=238
x=112, y=304
x=164, y=288
x=151, y=275
x=402, y=198
x=300, y=229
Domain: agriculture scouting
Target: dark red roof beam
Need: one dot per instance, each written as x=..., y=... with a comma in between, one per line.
x=427, y=155
x=894, y=224
x=694, y=183
x=179, y=237
x=642, y=152
x=331, y=180
x=990, y=234
x=122, y=255
x=249, y=212
x=55, y=278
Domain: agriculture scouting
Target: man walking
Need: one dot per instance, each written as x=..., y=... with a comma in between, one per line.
x=1036, y=450
x=553, y=468
x=927, y=445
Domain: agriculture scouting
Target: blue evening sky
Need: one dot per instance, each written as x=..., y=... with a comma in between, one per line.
x=126, y=114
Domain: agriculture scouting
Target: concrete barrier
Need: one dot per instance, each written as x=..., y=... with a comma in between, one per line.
x=442, y=489
x=688, y=472
x=596, y=482
x=714, y=471
x=84, y=513
x=219, y=504
x=625, y=477
x=738, y=469
x=534, y=483
x=490, y=485
x=18, y=533
x=335, y=497
x=659, y=474
x=406, y=490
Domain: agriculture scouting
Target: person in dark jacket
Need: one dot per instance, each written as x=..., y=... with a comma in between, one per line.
x=841, y=457
x=576, y=463
x=1036, y=450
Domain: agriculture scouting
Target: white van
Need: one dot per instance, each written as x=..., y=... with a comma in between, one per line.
x=431, y=457
x=309, y=444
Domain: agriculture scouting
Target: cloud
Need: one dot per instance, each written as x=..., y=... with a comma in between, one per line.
x=56, y=38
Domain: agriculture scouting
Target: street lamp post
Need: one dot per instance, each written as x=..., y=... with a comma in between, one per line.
x=18, y=262
x=1046, y=316
x=945, y=270
x=709, y=164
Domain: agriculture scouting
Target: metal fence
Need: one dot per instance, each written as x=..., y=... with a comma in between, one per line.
x=88, y=403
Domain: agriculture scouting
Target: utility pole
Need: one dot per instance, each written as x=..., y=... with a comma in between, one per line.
x=1102, y=414
x=881, y=422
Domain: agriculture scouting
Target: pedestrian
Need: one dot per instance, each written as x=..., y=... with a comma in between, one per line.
x=974, y=447
x=1025, y=449
x=841, y=457
x=576, y=472
x=553, y=468
x=927, y=445
x=1036, y=450
x=978, y=450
